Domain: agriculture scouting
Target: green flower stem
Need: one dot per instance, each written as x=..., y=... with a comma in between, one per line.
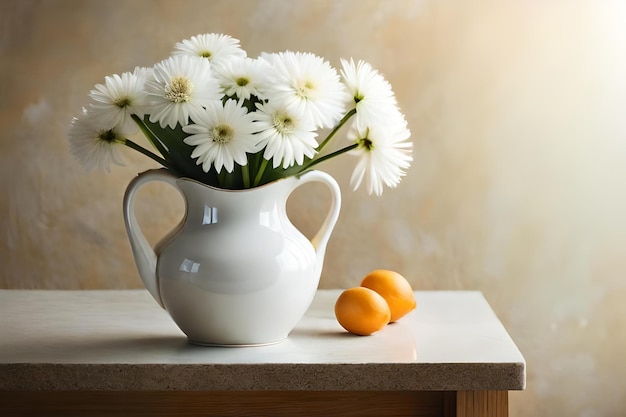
x=327, y=157
x=259, y=173
x=151, y=136
x=147, y=153
x=336, y=129
x=245, y=175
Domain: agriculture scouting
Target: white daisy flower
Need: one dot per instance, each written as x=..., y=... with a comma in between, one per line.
x=222, y=135
x=384, y=155
x=179, y=89
x=114, y=102
x=286, y=136
x=94, y=146
x=143, y=72
x=371, y=94
x=216, y=48
x=307, y=84
x=242, y=77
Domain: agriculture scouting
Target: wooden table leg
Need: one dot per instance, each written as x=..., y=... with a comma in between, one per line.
x=482, y=404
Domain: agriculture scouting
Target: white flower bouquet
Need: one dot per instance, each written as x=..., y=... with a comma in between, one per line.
x=217, y=116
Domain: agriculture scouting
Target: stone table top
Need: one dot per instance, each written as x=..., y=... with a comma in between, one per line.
x=122, y=340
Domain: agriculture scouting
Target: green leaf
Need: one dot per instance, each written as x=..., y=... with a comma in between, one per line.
x=179, y=154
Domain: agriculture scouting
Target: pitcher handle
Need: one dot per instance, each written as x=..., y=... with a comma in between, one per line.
x=322, y=236
x=144, y=254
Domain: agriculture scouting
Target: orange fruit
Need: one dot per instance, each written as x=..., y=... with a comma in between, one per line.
x=362, y=311
x=394, y=288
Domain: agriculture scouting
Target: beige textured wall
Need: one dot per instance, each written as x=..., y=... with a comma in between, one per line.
x=518, y=188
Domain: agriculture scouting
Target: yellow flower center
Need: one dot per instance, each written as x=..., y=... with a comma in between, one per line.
x=179, y=90
x=108, y=136
x=283, y=123
x=304, y=88
x=122, y=102
x=222, y=133
x=366, y=143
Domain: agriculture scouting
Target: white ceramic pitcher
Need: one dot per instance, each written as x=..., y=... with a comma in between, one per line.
x=235, y=271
